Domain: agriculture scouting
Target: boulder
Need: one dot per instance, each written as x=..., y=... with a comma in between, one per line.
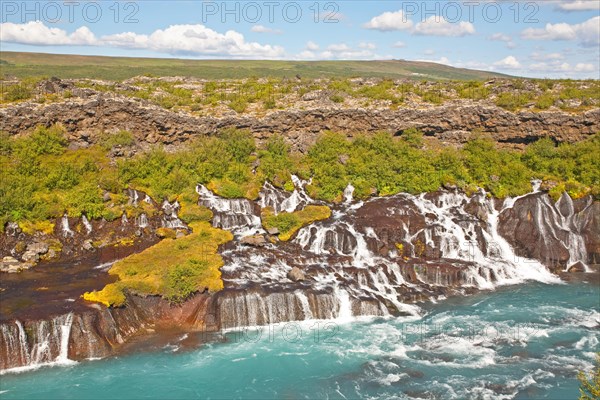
x=577, y=267
x=254, y=240
x=88, y=245
x=30, y=256
x=273, y=231
x=38, y=248
x=296, y=275
x=12, y=265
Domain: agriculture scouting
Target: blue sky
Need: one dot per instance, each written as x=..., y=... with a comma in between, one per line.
x=549, y=38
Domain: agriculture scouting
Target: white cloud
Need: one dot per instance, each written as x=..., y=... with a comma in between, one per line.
x=429, y=52
x=547, y=56
x=439, y=26
x=579, y=5
x=509, y=62
x=588, y=32
x=432, y=26
x=367, y=45
x=264, y=29
x=390, y=21
x=399, y=44
x=341, y=51
x=338, y=47
x=558, y=67
x=500, y=37
x=36, y=33
x=175, y=40
x=312, y=46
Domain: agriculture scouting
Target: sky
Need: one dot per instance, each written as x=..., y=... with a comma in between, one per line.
x=543, y=39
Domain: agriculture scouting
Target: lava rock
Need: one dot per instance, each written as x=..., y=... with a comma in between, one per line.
x=273, y=231
x=30, y=256
x=577, y=267
x=296, y=275
x=88, y=245
x=38, y=248
x=11, y=265
x=254, y=240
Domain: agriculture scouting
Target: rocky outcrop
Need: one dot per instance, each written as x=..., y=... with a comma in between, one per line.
x=97, y=331
x=87, y=116
x=558, y=234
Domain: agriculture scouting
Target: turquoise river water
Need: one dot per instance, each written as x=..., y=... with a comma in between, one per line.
x=522, y=342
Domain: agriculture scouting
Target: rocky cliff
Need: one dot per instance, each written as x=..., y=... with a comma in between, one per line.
x=91, y=113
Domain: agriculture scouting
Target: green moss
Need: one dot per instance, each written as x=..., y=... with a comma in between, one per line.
x=156, y=270
x=289, y=223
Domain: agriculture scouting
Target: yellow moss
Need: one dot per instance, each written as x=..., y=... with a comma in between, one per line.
x=190, y=211
x=30, y=228
x=111, y=295
x=147, y=272
x=166, y=233
x=126, y=241
x=400, y=248
x=289, y=223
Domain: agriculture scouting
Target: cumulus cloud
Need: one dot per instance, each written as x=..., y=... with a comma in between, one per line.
x=501, y=37
x=390, y=21
x=432, y=26
x=399, y=44
x=578, y=5
x=175, y=40
x=36, y=33
x=558, y=67
x=439, y=26
x=587, y=33
x=341, y=51
x=264, y=29
x=545, y=56
x=509, y=62
x=367, y=45
x=312, y=46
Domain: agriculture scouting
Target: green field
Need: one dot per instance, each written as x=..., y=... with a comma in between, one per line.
x=23, y=65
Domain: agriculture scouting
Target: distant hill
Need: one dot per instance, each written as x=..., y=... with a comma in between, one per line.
x=118, y=68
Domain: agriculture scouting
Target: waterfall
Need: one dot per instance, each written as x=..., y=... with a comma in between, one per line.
x=40, y=343
x=345, y=306
x=133, y=196
x=348, y=193
x=124, y=220
x=238, y=215
x=170, y=218
x=66, y=230
x=142, y=221
x=567, y=220
x=86, y=223
x=65, y=333
x=305, y=305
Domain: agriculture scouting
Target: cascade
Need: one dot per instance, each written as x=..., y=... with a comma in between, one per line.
x=39, y=343
x=238, y=215
x=348, y=193
x=142, y=221
x=66, y=230
x=86, y=223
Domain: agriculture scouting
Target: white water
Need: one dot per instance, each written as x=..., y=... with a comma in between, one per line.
x=348, y=193
x=50, y=343
x=142, y=221
x=86, y=223
x=338, y=253
x=66, y=229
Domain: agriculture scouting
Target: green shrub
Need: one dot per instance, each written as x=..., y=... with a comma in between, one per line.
x=120, y=138
x=16, y=93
